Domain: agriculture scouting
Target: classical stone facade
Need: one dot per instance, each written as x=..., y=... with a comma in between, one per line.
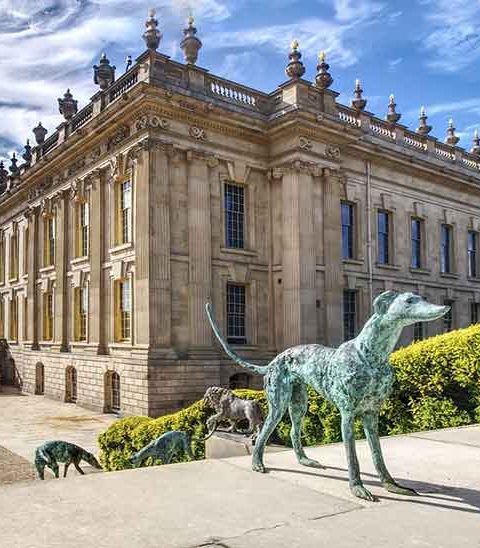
x=174, y=187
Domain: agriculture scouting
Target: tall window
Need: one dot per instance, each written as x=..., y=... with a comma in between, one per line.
x=26, y=247
x=14, y=254
x=123, y=314
x=418, y=331
x=448, y=318
x=2, y=258
x=13, y=320
x=115, y=392
x=81, y=313
x=472, y=253
x=125, y=212
x=416, y=236
x=474, y=313
x=347, y=231
x=48, y=316
x=383, y=229
x=25, y=318
x=83, y=229
x=234, y=216
x=49, y=241
x=236, y=314
x=349, y=313
x=445, y=249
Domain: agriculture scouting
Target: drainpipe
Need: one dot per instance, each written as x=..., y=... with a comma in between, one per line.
x=368, y=168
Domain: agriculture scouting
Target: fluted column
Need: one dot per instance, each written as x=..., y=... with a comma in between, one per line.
x=199, y=247
x=299, y=255
x=332, y=244
x=32, y=293
x=160, y=273
x=61, y=257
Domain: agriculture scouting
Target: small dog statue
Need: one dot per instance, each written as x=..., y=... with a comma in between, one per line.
x=52, y=452
x=229, y=407
x=165, y=447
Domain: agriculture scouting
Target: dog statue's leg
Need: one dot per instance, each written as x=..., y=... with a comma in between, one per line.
x=65, y=468
x=54, y=467
x=297, y=409
x=370, y=425
x=356, y=485
x=278, y=390
x=79, y=470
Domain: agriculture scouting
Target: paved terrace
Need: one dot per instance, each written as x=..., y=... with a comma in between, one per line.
x=223, y=504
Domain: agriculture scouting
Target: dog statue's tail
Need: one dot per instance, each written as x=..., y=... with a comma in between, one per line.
x=235, y=357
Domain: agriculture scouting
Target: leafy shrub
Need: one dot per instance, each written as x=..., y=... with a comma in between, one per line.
x=437, y=386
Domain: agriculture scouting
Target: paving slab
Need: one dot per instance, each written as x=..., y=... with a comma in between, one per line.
x=221, y=503
x=28, y=421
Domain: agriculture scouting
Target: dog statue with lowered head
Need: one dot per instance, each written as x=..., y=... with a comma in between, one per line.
x=52, y=452
x=356, y=377
x=167, y=446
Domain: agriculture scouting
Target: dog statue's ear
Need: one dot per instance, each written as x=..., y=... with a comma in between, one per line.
x=383, y=301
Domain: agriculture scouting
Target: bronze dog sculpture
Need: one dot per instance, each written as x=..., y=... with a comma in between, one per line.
x=233, y=409
x=52, y=452
x=357, y=377
x=165, y=447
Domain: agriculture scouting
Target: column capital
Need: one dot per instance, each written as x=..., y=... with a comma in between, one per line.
x=210, y=159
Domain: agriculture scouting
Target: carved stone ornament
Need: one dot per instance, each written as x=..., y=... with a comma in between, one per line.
x=76, y=166
x=118, y=137
x=332, y=152
x=198, y=133
x=47, y=207
x=305, y=143
x=151, y=121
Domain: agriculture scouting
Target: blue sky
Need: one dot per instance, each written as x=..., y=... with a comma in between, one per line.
x=426, y=52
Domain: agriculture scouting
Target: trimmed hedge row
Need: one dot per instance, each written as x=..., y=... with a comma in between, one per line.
x=437, y=386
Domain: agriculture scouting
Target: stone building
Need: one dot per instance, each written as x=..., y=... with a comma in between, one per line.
x=173, y=187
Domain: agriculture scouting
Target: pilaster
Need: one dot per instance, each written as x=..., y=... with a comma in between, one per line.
x=199, y=245
x=332, y=236
x=33, y=314
x=61, y=257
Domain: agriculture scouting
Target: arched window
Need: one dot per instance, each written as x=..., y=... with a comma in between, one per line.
x=112, y=392
x=39, y=379
x=239, y=380
x=71, y=385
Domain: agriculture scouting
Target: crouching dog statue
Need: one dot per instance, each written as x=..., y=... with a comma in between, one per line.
x=357, y=377
x=167, y=446
x=52, y=452
x=233, y=409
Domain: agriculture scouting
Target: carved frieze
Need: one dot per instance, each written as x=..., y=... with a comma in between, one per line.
x=118, y=137
x=332, y=152
x=198, y=133
x=151, y=121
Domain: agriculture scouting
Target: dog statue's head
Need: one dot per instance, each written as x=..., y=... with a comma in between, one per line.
x=407, y=308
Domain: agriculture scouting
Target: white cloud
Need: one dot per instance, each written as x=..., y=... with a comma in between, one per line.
x=453, y=38
x=353, y=10
x=393, y=64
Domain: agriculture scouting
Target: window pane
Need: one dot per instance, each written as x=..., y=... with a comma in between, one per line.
x=416, y=243
x=234, y=216
x=349, y=313
x=445, y=248
x=236, y=311
x=383, y=237
x=347, y=230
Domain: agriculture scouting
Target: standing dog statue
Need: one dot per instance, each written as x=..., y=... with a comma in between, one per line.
x=52, y=452
x=233, y=409
x=357, y=377
x=165, y=447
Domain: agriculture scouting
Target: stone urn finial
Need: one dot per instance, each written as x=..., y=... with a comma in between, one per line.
x=476, y=143
x=104, y=73
x=3, y=178
x=152, y=35
x=295, y=68
x=40, y=132
x=27, y=155
x=423, y=127
x=68, y=106
x=323, y=78
x=190, y=44
x=13, y=165
x=451, y=138
x=392, y=115
x=358, y=102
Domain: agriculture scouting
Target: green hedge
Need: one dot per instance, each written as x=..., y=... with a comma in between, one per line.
x=437, y=386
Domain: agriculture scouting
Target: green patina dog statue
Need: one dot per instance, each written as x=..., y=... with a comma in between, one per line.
x=52, y=452
x=357, y=377
x=167, y=446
